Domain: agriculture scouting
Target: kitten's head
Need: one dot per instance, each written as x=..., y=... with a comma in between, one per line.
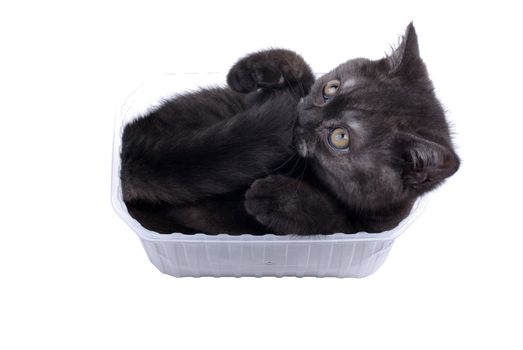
x=375, y=132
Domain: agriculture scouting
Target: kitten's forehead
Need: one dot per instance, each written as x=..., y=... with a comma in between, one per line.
x=349, y=72
x=350, y=83
x=353, y=69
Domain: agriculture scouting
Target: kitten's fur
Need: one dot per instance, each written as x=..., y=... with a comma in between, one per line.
x=223, y=160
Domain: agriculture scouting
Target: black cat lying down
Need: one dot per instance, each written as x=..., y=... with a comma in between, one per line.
x=280, y=152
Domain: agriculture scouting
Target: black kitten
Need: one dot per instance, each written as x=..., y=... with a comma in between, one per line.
x=372, y=135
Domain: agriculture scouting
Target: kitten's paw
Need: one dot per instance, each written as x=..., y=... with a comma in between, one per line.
x=241, y=79
x=268, y=69
x=267, y=199
x=288, y=206
x=251, y=74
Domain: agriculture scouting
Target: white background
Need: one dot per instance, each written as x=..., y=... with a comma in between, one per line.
x=74, y=276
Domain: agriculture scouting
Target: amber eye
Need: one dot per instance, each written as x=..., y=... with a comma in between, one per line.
x=330, y=89
x=339, y=139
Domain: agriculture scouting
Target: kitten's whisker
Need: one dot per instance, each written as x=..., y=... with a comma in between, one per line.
x=300, y=179
x=296, y=162
x=285, y=162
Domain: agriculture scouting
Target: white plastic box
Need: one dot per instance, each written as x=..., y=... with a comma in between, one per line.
x=180, y=255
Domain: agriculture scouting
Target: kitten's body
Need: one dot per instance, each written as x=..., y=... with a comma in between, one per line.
x=224, y=160
x=186, y=166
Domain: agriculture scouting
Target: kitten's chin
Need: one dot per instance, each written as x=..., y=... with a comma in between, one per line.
x=301, y=146
x=299, y=141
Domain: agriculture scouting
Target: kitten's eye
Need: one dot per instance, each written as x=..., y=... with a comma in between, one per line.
x=339, y=139
x=330, y=89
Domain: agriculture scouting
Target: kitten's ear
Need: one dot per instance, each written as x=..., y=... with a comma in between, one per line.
x=405, y=60
x=425, y=163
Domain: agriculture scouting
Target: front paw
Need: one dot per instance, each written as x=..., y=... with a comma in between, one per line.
x=252, y=73
x=268, y=69
x=267, y=199
x=289, y=206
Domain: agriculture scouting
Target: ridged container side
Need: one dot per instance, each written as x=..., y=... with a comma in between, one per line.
x=180, y=255
x=258, y=259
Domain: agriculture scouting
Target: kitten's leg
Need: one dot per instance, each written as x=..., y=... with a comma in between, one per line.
x=288, y=206
x=269, y=69
x=188, y=165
